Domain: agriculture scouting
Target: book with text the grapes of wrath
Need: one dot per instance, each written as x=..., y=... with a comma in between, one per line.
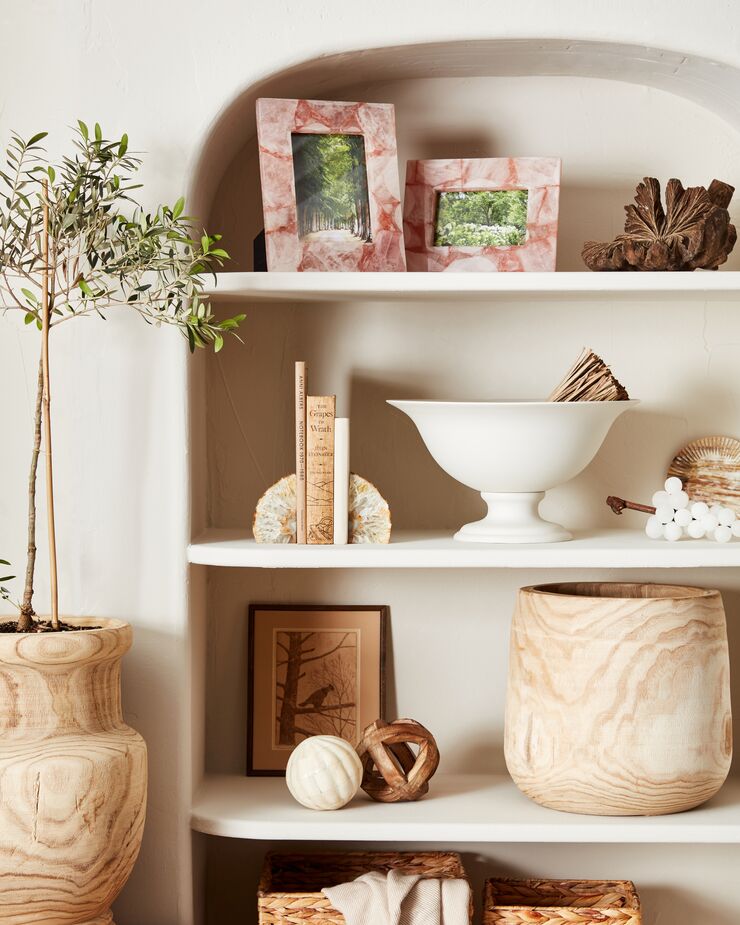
x=320, y=414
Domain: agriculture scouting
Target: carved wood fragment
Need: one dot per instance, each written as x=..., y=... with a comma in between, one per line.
x=692, y=232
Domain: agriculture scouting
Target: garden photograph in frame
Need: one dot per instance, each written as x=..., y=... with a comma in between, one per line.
x=330, y=191
x=482, y=214
x=313, y=670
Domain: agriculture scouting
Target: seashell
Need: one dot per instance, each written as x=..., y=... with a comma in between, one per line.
x=710, y=470
x=369, y=514
x=323, y=772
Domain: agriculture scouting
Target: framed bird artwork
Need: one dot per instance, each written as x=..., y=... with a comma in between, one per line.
x=313, y=670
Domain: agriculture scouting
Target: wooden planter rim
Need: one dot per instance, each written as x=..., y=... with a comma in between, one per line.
x=588, y=590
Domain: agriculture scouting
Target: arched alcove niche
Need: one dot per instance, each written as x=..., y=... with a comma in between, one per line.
x=613, y=112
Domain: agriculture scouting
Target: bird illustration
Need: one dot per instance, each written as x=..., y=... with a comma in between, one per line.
x=316, y=699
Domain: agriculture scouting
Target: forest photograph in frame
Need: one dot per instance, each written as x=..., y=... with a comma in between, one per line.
x=332, y=200
x=313, y=670
x=331, y=197
x=482, y=214
x=481, y=218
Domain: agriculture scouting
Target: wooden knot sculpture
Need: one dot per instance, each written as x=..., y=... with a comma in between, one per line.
x=392, y=773
x=692, y=232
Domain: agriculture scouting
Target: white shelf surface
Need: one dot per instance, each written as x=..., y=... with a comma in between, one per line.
x=342, y=287
x=458, y=808
x=607, y=549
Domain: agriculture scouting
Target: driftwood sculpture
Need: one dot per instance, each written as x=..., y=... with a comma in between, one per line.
x=693, y=232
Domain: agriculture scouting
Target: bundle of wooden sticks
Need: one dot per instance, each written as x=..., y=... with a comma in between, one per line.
x=589, y=379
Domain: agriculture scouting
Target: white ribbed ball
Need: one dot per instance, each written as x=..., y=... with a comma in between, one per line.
x=324, y=772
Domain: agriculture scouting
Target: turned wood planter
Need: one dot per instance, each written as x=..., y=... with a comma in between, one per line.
x=618, y=699
x=72, y=776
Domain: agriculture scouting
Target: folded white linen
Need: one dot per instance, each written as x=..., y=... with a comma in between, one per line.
x=401, y=899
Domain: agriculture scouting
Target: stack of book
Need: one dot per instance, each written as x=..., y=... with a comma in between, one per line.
x=322, y=467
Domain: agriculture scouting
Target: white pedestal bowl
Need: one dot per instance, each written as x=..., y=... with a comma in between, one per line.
x=512, y=452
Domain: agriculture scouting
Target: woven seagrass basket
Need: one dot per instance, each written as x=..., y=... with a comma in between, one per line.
x=290, y=886
x=554, y=902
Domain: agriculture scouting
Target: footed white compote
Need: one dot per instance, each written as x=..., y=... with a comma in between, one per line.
x=513, y=517
x=512, y=452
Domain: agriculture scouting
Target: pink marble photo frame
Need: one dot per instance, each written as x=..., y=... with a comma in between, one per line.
x=380, y=244
x=425, y=180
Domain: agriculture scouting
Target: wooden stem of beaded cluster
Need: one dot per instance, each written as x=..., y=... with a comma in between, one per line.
x=391, y=771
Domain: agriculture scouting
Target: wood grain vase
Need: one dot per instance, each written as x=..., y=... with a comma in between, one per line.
x=618, y=698
x=72, y=776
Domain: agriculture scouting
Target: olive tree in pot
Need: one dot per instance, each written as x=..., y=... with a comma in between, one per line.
x=74, y=243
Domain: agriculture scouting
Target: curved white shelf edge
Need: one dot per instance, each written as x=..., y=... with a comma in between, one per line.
x=600, y=549
x=341, y=287
x=459, y=808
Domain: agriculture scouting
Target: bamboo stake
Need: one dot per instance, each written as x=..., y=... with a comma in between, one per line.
x=45, y=321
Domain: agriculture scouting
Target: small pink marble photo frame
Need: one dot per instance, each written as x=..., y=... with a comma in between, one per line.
x=330, y=190
x=426, y=180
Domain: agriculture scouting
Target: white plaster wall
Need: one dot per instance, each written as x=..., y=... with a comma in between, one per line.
x=162, y=71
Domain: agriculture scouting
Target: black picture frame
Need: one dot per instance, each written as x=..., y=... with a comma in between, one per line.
x=383, y=611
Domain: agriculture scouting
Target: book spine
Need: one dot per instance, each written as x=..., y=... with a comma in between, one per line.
x=320, y=413
x=300, y=451
x=341, y=481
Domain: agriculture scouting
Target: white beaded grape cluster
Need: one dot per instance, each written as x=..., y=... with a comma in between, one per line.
x=676, y=515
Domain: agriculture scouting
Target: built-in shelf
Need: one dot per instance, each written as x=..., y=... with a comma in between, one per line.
x=602, y=549
x=342, y=287
x=460, y=808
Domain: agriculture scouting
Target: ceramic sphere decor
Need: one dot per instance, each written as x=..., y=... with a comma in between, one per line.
x=618, y=699
x=323, y=772
x=512, y=452
x=73, y=776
